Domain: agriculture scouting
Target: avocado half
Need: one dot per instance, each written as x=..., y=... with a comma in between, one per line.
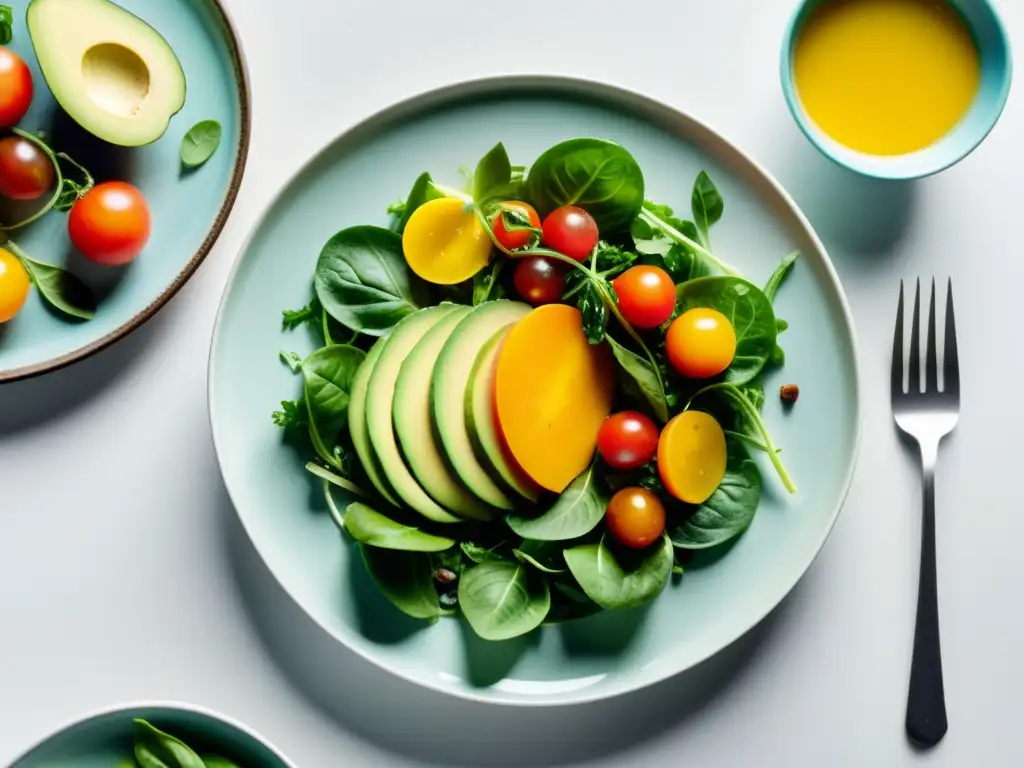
x=112, y=73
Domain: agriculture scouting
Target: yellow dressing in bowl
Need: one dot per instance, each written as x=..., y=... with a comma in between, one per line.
x=886, y=77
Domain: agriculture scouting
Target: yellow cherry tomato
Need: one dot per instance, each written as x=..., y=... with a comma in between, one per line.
x=444, y=243
x=14, y=284
x=692, y=456
x=700, y=343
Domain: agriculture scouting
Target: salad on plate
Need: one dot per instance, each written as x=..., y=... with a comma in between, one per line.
x=541, y=390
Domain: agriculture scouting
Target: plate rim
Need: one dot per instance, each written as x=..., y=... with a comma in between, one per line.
x=646, y=106
x=179, y=706
x=136, y=321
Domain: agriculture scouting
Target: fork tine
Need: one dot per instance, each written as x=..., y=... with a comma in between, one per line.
x=914, y=383
x=931, y=362
x=951, y=363
x=897, y=350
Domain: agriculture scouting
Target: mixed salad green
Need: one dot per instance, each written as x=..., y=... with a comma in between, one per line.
x=543, y=389
x=154, y=748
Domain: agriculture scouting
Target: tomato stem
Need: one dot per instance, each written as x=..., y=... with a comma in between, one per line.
x=679, y=237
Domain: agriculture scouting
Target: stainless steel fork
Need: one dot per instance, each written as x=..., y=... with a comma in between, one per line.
x=927, y=415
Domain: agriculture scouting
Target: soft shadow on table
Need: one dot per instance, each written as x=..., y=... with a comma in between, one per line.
x=441, y=730
x=25, y=404
x=852, y=214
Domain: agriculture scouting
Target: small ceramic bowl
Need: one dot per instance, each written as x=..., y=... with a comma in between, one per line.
x=996, y=72
x=102, y=739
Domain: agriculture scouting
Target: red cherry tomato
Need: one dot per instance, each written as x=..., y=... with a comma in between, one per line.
x=539, y=280
x=570, y=230
x=26, y=173
x=519, y=237
x=700, y=343
x=635, y=518
x=646, y=294
x=110, y=224
x=15, y=88
x=627, y=440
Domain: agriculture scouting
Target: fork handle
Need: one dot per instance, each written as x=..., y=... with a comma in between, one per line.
x=926, y=702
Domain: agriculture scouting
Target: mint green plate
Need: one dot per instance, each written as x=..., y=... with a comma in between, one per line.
x=188, y=210
x=351, y=182
x=101, y=739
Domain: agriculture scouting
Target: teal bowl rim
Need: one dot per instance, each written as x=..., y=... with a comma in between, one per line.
x=630, y=99
x=177, y=706
x=241, y=69
x=914, y=165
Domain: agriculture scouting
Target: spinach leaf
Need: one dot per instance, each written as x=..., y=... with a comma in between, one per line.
x=364, y=283
x=156, y=749
x=643, y=374
x=479, y=554
x=200, y=143
x=779, y=275
x=707, y=205
x=368, y=526
x=58, y=287
x=503, y=600
x=327, y=377
x=493, y=171
x=750, y=313
x=578, y=510
x=6, y=24
x=616, y=580
x=406, y=579
x=423, y=190
x=545, y=556
x=728, y=511
x=597, y=175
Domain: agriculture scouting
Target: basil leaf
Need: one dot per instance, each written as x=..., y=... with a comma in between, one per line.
x=368, y=526
x=545, y=556
x=6, y=24
x=645, y=377
x=200, y=143
x=578, y=510
x=707, y=205
x=750, y=313
x=597, y=175
x=595, y=313
x=405, y=578
x=494, y=170
x=60, y=289
x=364, y=283
x=617, y=580
x=423, y=190
x=729, y=510
x=327, y=377
x=156, y=749
x=503, y=600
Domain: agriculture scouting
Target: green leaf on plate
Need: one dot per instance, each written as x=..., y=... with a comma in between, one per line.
x=200, y=143
x=503, y=600
x=368, y=526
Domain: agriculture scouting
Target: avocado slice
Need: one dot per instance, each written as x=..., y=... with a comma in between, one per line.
x=415, y=429
x=448, y=395
x=357, y=425
x=482, y=420
x=380, y=404
x=112, y=73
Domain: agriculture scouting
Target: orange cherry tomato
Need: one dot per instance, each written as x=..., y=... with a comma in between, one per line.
x=110, y=224
x=646, y=295
x=15, y=88
x=517, y=238
x=14, y=284
x=692, y=455
x=635, y=518
x=700, y=343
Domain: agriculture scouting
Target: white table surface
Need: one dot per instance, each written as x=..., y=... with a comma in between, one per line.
x=123, y=575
